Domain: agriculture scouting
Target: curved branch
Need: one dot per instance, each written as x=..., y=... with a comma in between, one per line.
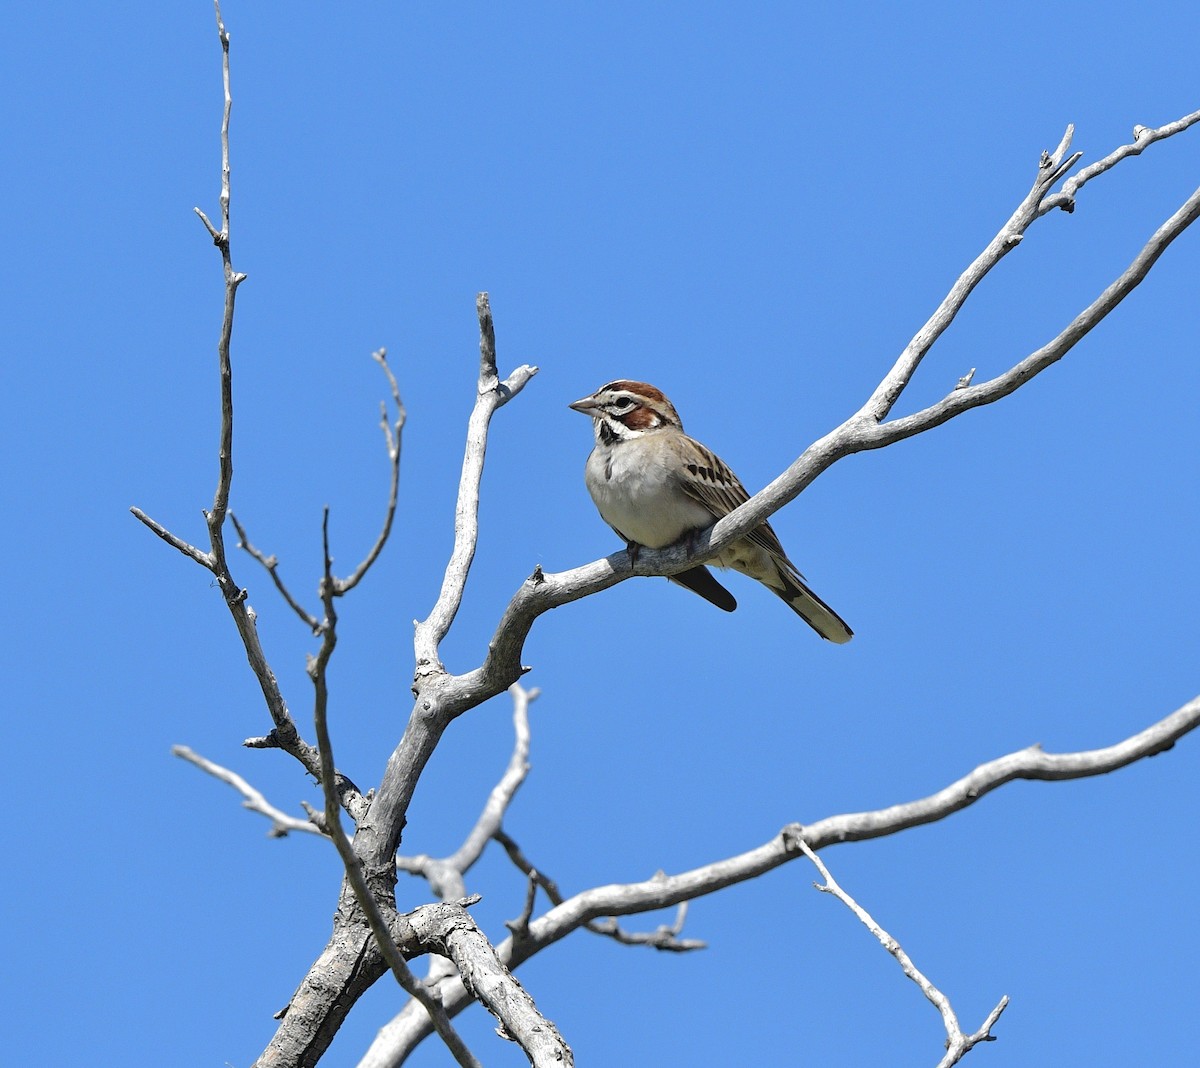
x=271, y=565
x=341, y=587
x=1051, y=166
x=972, y=396
x=392, y=436
x=664, y=937
x=492, y=816
x=491, y=983
x=255, y=800
x=439, y=696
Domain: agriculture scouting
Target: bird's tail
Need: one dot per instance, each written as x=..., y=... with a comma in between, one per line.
x=809, y=607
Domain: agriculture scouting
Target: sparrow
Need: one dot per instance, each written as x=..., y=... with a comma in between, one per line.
x=654, y=486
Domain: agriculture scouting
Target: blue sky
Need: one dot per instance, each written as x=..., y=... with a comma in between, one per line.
x=752, y=207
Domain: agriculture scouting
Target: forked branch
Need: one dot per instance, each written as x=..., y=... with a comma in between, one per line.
x=284, y=735
x=392, y=437
x=867, y=429
x=958, y=1043
x=1143, y=138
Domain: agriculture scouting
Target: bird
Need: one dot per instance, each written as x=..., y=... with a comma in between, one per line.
x=655, y=486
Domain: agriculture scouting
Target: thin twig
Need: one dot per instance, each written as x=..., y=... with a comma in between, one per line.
x=188, y=550
x=271, y=564
x=957, y=1043
x=521, y=924
x=880, y=403
x=255, y=800
x=664, y=937
x=233, y=279
x=341, y=587
x=974, y=396
x=392, y=434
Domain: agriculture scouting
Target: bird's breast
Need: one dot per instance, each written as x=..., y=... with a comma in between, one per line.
x=637, y=491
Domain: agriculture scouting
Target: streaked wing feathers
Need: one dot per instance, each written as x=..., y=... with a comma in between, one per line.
x=709, y=480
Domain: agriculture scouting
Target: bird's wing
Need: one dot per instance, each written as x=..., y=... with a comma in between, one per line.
x=700, y=580
x=708, y=479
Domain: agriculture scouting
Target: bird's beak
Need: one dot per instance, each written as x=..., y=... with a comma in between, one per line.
x=587, y=405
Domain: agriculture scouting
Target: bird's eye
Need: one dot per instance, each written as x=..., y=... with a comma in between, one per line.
x=624, y=403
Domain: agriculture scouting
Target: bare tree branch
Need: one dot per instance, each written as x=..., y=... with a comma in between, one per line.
x=478, y=966
x=281, y=822
x=1050, y=168
x=662, y=891
x=215, y=518
x=271, y=565
x=483, y=973
x=343, y=586
x=392, y=437
x=202, y=558
x=664, y=937
x=284, y=735
x=439, y=696
x=1143, y=137
x=445, y=874
x=492, y=816
x=972, y=396
x=492, y=394
x=957, y=1043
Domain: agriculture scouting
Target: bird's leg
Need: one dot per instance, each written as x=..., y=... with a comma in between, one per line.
x=632, y=547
